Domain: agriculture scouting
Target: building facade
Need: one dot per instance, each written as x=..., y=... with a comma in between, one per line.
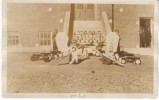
x=30, y=26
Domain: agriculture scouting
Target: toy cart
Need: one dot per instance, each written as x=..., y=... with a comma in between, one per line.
x=125, y=57
x=36, y=57
x=46, y=57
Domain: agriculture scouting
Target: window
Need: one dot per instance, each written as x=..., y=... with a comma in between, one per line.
x=90, y=6
x=80, y=6
x=13, y=38
x=44, y=38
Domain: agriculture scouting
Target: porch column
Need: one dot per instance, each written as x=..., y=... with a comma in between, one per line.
x=71, y=23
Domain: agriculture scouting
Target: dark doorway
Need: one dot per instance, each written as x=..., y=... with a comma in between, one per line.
x=145, y=32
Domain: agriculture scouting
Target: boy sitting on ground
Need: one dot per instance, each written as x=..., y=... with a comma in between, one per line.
x=74, y=55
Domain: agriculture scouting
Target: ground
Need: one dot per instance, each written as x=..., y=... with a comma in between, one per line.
x=90, y=76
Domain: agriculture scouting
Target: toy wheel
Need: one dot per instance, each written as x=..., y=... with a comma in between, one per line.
x=138, y=61
x=123, y=61
x=97, y=54
x=40, y=58
x=50, y=57
x=46, y=59
x=32, y=58
x=60, y=55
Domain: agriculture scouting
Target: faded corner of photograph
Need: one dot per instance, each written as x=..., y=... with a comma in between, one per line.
x=80, y=48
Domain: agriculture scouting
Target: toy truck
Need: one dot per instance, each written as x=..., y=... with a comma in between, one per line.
x=36, y=57
x=46, y=57
x=125, y=57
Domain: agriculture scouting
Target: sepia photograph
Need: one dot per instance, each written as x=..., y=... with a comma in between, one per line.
x=79, y=49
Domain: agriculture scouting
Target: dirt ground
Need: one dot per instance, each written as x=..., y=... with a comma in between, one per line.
x=90, y=76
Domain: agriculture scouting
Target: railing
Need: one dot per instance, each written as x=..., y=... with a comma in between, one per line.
x=66, y=23
x=105, y=22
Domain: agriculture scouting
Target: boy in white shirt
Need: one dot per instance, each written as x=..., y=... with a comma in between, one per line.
x=74, y=55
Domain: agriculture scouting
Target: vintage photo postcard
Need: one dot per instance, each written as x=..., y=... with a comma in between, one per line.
x=85, y=49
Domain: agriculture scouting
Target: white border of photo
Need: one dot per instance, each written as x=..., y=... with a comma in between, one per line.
x=76, y=95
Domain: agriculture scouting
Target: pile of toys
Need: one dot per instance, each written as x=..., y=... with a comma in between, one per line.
x=86, y=51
